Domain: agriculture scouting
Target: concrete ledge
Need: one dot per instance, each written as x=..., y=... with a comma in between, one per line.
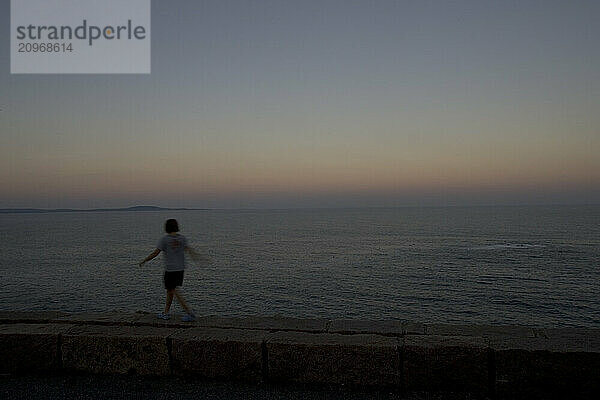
x=30, y=347
x=381, y=327
x=106, y=318
x=31, y=317
x=454, y=363
x=267, y=323
x=274, y=323
x=548, y=374
x=479, y=330
x=573, y=340
x=370, y=360
x=503, y=361
x=116, y=350
x=218, y=353
x=552, y=364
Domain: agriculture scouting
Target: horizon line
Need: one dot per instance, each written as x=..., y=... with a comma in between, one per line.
x=148, y=208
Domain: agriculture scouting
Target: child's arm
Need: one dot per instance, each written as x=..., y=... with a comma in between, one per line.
x=197, y=257
x=150, y=257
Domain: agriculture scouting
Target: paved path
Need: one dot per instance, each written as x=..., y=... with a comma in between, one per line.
x=495, y=360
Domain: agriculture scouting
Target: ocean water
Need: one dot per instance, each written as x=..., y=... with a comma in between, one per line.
x=502, y=265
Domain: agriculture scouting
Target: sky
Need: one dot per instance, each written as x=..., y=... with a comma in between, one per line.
x=276, y=104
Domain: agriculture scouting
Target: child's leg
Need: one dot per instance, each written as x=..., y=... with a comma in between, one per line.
x=181, y=301
x=169, y=301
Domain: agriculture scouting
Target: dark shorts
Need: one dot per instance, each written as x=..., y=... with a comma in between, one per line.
x=173, y=279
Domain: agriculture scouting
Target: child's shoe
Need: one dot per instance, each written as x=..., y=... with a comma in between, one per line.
x=163, y=316
x=188, y=318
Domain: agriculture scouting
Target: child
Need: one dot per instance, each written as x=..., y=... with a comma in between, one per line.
x=173, y=245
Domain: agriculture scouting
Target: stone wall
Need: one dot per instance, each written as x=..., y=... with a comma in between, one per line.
x=497, y=361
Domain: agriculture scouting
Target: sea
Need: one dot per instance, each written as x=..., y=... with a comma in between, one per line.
x=536, y=266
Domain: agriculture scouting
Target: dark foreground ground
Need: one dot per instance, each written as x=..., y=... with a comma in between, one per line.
x=95, y=387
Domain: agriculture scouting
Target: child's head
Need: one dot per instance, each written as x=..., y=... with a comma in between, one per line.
x=171, y=226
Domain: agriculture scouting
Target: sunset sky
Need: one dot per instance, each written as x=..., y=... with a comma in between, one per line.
x=319, y=104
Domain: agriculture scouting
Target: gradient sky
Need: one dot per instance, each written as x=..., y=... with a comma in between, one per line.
x=319, y=103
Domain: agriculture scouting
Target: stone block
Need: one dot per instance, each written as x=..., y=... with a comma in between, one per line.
x=368, y=360
x=216, y=353
x=413, y=328
x=518, y=343
x=38, y=317
x=352, y=326
x=559, y=362
x=100, y=318
x=546, y=374
x=573, y=339
x=30, y=347
x=445, y=363
x=275, y=323
x=102, y=349
x=478, y=330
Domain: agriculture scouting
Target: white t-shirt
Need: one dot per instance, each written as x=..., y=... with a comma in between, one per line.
x=173, y=247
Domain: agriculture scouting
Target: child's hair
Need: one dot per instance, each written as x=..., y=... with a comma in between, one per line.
x=171, y=226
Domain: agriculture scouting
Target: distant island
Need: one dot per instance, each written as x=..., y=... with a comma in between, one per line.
x=63, y=210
